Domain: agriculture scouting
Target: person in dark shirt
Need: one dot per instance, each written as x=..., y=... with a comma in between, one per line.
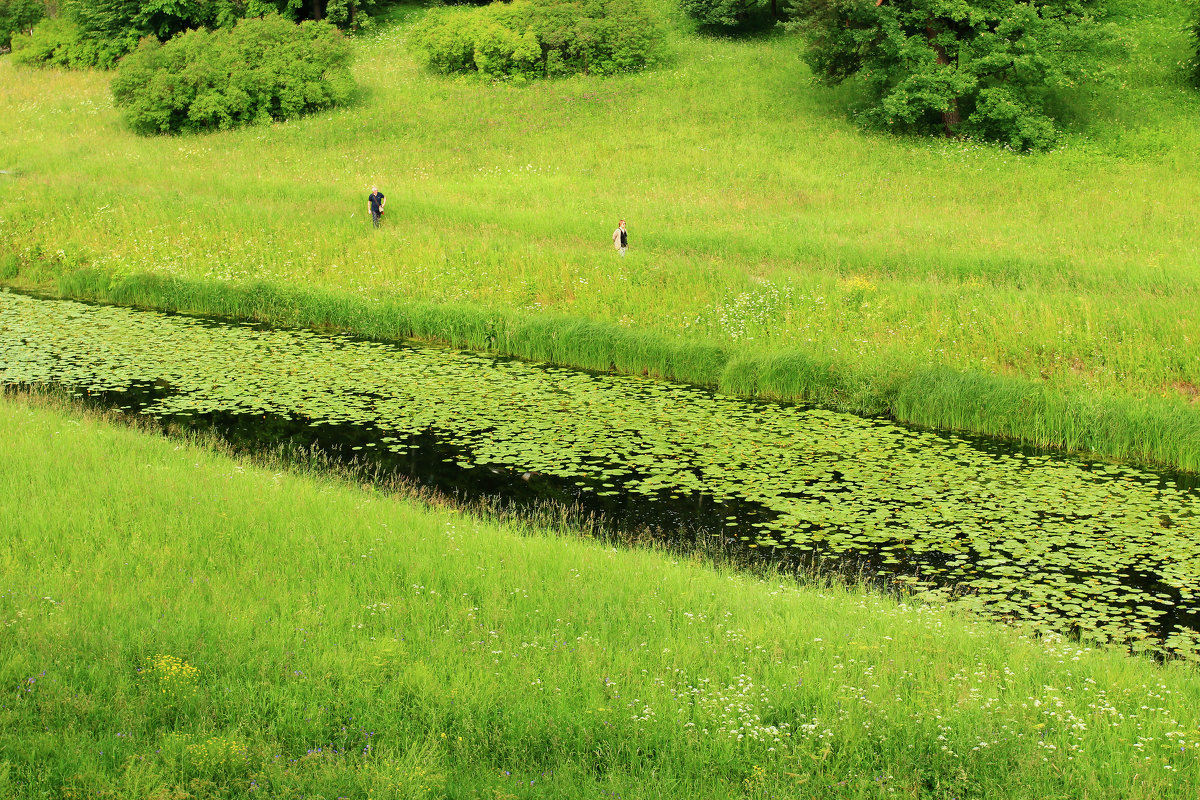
x=375, y=203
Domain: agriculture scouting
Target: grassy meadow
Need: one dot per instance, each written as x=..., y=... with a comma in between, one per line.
x=1049, y=297
x=180, y=623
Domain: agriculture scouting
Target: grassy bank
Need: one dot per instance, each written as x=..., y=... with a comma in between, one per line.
x=182, y=624
x=1151, y=429
x=1049, y=297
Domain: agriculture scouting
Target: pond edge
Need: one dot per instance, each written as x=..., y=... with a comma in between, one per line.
x=1146, y=430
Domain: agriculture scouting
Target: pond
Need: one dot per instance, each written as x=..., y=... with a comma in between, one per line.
x=1065, y=544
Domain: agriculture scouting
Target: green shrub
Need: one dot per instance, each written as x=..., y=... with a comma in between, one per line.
x=541, y=38
x=263, y=69
x=18, y=16
x=96, y=33
x=345, y=14
x=55, y=42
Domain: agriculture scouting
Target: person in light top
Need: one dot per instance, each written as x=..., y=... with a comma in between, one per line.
x=621, y=238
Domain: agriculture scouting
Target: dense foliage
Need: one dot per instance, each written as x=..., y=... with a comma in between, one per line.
x=540, y=38
x=342, y=13
x=726, y=13
x=263, y=69
x=978, y=68
x=95, y=33
x=718, y=12
x=53, y=43
x=18, y=16
x=1194, y=35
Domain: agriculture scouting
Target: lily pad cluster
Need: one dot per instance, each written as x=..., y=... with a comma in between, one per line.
x=1067, y=545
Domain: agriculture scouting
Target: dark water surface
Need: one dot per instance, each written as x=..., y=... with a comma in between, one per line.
x=1064, y=543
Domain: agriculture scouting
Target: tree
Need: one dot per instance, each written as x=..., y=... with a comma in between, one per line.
x=342, y=13
x=96, y=33
x=1194, y=31
x=978, y=68
x=19, y=16
x=115, y=26
x=726, y=13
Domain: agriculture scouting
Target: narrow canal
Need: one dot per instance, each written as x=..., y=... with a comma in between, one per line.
x=1067, y=544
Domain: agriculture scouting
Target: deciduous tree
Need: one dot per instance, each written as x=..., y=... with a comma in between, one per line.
x=727, y=13
x=978, y=68
x=19, y=16
x=92, y=33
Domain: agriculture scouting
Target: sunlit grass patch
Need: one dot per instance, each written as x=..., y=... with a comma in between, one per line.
x=352, y=644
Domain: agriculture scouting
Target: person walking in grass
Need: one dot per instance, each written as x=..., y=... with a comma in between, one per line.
x=621, y=238
x=375, y=203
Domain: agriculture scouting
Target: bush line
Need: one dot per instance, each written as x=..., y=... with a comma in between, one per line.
x=1150, y=430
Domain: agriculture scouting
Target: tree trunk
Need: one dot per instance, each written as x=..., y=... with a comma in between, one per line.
x=318, y=9
x=951, y=116
x=775, y=8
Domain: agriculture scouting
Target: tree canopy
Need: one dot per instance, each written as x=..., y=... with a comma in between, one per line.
x=980, y=68
x=1194, y=32
x=18, y=16
x=726, y=13
x=91, y=33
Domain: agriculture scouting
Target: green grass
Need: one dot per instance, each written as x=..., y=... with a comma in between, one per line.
x=180, y=623
x=766, y=228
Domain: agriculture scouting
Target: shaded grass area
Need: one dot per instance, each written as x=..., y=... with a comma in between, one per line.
x=190, y=624
x=776, y=248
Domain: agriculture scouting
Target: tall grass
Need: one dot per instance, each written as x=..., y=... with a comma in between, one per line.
x=1151, y=429
x=763, y=222
x=178, y=623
